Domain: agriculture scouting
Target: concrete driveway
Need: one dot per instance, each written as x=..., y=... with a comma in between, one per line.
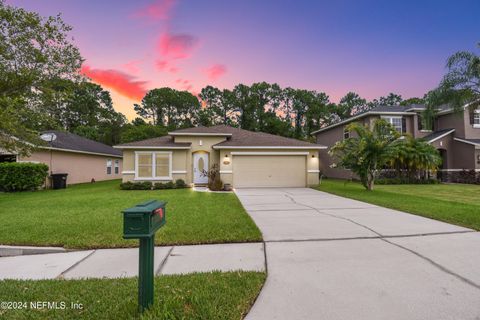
x=329, y=257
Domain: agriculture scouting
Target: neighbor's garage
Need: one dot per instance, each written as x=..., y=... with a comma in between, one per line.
x=269, y=171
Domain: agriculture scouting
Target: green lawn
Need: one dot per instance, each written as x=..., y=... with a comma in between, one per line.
x=89, y=216
x=195, y=296
x=454, y=203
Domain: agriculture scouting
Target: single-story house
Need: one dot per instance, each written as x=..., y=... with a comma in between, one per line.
x=245, y=158
x=81, y=158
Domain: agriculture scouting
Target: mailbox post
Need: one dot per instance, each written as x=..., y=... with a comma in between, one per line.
x=141, y=222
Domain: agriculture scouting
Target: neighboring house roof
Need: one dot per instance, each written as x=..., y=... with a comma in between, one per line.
x=236, y=138
x=386, y=110
x=66, y=141
x=164, y=142
x=434, y=136
x=475, y=142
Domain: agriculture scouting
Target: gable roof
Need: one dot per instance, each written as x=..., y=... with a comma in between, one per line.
x=434, y=136
x=164, y=142
x=66, y=141
x=220, y=130
x=241, y=138
x=235, y=138
x=386, y=110
x=475, y=142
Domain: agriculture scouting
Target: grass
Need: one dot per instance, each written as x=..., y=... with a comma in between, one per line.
x=89, y=216
x=195, y=296
x=453, y=203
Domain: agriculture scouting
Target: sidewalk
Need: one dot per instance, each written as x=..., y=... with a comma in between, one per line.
x=118, y=263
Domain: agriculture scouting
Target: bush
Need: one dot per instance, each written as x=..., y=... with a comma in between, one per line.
x=405, y=181
x=170, y=185
x=159, y=186
x=22, y=176
x=147, y=185
x=179, y=183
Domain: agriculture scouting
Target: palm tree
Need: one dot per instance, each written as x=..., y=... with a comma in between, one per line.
x=367, y=151
x=415, y=156
x=459, y=87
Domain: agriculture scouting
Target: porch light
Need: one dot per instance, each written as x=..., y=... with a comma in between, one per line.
x=226, y=160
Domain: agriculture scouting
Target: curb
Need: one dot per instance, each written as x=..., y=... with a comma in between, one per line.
x=11, y=251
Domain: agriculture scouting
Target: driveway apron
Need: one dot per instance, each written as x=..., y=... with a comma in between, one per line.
x=330, y=257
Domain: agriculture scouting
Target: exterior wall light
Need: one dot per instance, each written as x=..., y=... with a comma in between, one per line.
x=226, y=160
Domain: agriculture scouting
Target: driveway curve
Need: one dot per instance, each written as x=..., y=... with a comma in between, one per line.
x=330, y=257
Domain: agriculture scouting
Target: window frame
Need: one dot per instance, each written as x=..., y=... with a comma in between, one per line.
x=476, y=117
x=109, y=165
x=153, y=154
x=389, y=119
x=116, y=166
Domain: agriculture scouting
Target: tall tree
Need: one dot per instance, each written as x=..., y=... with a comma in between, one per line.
x=35, y=54
x=460, y=85
x=219, y=106
x=350, y=104
x=169, y=107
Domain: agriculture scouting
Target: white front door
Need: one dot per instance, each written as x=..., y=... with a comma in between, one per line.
x=200, y=163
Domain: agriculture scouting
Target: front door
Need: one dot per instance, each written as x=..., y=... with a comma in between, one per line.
x=200, y=164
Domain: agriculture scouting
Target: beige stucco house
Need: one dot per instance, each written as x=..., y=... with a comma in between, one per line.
x=82, y=159
x=245, y=158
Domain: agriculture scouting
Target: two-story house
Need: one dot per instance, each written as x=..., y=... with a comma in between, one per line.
x=455, y=134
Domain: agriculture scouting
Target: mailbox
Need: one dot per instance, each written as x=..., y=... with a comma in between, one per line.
x=144, y=219
x=141, y=222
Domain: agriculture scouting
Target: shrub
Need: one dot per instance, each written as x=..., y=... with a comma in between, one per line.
x=147, y=185
x=405, y=181
x=159, y=186
x=22, y=176
x=170, y=185
x=179, y=183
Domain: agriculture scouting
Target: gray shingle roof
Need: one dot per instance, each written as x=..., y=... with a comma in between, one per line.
x=164, y=141
x=474, y=141
x=436, y=134
x=220, y=129
x=235, y=138
x=245, y=138
x=69, y=141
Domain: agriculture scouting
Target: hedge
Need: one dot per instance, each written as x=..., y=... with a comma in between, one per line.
x=179, y=183
x=22, y=176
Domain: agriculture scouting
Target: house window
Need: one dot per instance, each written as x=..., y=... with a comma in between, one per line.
x=346, y=133
x=109, y=166
x=396, y=122
x=476, y=118
x=116, y=166
x=153, y=165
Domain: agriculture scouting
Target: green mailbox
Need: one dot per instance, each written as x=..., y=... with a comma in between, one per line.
x=141, y=222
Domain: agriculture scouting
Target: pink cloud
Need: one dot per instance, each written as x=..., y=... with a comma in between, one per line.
x=118, y=81
x=215, y=71
x=132, y=66
x=176, y=46
x=158, y=10
x=166, y=65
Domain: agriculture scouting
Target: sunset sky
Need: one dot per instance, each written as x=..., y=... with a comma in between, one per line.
x=370, y=47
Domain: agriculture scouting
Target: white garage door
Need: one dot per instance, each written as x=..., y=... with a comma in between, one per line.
x=269, y=171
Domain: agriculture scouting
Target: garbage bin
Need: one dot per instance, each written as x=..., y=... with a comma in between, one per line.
x=59, y=180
